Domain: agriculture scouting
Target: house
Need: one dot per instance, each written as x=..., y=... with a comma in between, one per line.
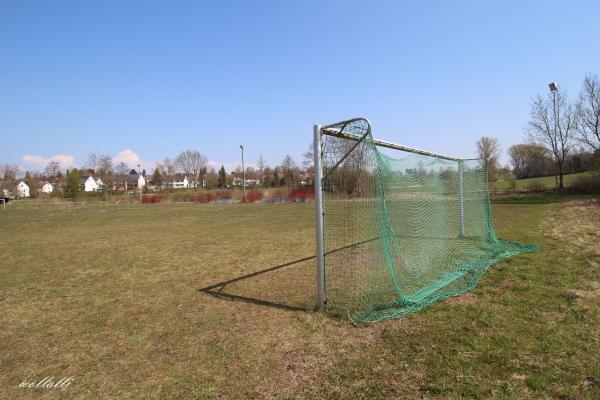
x=88, y=183
x=175, y=181
x=141, y=182
x=178, y=181
x=22, y=189
x=133, y=181
x=47, y=187
x=237, y=181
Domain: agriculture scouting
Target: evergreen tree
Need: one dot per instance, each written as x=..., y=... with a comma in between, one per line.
x=222, y=177
x=31, y=183
x=157, y=178
x=72, y=186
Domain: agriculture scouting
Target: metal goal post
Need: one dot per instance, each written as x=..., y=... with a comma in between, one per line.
x=336, y=131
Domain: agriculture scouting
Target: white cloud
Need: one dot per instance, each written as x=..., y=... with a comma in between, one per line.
x=65, y=161
x=131, y=159
x=128, y=157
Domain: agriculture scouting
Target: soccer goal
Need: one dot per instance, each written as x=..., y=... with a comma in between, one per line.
x=398, y=228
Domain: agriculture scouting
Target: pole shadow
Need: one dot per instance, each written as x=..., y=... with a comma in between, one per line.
x=218, y=289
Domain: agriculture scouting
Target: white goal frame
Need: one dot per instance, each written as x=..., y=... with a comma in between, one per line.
x=333, y=130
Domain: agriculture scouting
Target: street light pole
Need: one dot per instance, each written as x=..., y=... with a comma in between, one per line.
x=243, y=176
x=553, y=89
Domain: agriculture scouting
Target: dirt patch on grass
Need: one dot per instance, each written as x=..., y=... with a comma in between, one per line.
x=591, y=291
x=587, y=202
x=462, y=300
x=304, y=362
x=576, y=223
x=508, y=282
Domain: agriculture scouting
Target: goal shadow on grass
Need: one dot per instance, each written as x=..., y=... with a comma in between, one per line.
x=276, y=286
x=263, y=288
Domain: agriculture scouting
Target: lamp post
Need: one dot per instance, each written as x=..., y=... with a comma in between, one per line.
x=243, y=177
x=553, y=86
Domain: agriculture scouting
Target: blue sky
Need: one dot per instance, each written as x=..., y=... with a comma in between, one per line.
x=149, y=79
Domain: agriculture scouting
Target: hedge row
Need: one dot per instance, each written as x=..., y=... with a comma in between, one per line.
x=252, y=196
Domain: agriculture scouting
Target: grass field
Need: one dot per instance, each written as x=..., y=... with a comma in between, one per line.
x=547, y=181
x=133, y=301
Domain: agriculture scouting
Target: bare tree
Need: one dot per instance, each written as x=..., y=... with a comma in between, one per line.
x=261, y=169
x=552, y=124
x=92, y=162
x=530, y=160
x=104, y=171
x=588, y=112
x=212, y=178
x=9, y=172
x=8, y=176
x=121, y=171
x=251, y=173
x=308, y=160
x=52, y=169
x=288, y=168
x=518, y=158
x=167, y=168
x=193, y=164
x=488, y=149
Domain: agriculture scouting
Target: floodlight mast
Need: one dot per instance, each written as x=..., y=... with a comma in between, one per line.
x=553, y=86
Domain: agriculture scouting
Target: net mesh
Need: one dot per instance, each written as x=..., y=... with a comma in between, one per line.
x=394, y=240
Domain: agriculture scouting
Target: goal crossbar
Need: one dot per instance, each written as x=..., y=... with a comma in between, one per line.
x=382, y=143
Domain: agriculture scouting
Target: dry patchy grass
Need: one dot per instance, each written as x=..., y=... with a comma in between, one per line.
x=112, y=295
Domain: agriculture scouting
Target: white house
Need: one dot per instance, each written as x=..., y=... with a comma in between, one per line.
x=89, y=184
x=175, y=181
x=237, y=181
x=22, y=189
x=47, y=188
x=141, y=182
x=180, y=183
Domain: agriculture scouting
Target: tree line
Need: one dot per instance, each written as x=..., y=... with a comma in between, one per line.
x=287, y=174
x=561, y=137
x=189, y=163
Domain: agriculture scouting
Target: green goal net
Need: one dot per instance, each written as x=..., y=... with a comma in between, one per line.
x=402, y=228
